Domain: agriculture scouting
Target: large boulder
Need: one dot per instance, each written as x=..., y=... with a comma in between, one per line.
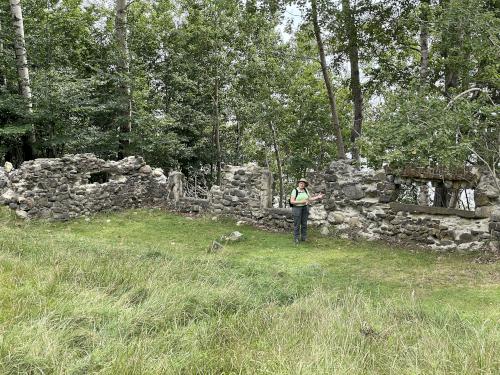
x=8, y=167
x=486, y=192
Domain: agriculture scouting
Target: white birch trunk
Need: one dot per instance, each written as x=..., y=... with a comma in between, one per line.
x=123, y=70
x=3, y=77
x=21, y=55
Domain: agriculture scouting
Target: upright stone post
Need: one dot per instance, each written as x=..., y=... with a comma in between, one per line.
x=423, y=195
x=495, y=229
x=266, y=192
x=486, y=195
x=175, y=186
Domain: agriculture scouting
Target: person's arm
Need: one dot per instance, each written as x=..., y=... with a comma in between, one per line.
x=293, y=200
x=316, y=197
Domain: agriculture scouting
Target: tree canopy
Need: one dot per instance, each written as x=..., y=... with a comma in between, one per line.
x=195, y=84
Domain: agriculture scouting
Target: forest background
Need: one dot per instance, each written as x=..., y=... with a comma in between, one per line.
x=195, y=84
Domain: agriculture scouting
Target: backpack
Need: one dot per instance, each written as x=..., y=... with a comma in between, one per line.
x=296, y=193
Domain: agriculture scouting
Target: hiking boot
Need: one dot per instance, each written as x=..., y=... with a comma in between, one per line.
x=296, y=242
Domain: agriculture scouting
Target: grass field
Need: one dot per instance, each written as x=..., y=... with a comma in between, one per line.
x=137, y=293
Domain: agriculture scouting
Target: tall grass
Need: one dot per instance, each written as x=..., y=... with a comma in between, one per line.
x=138, y=294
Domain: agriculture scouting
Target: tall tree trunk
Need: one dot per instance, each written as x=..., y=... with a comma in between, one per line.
x=450, y=77
x=450, y=71
x=123, y=69
x=28, y=140
x=328, y=84
x=21, y=55
x=424, y=41
x=3, y=77
x=442, y=195
x=217, y=132
x=357, y=95
x=237, y=157
x=211, y=174
x=278, y=162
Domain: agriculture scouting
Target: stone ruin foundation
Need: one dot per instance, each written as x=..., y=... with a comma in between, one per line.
x=357, y=204
x=79, y=185
x=363, y=204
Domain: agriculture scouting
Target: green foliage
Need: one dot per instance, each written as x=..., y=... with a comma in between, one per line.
x=466, y=49
x=418, y=128
x=13, y=119
x=196, y=65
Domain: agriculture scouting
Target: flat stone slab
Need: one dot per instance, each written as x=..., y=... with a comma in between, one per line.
x=466, y=174
x=413, y=208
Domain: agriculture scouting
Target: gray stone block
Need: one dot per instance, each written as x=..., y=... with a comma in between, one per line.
x=465, y=237
x=481, y=199
x=353, y=192
x=494, y=226
x=495, y=215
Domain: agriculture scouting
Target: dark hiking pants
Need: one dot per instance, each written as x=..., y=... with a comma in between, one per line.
x=300, y=215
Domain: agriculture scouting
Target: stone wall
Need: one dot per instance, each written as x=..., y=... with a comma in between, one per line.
x=357, y=203
x=361, y=204
x=244, y=191
x=63, y=188
x=495, y=225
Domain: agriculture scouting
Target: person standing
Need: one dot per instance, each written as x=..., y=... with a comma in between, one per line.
x=300, y=200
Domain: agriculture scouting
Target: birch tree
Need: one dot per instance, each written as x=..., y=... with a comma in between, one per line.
x=3, y=77
x=22, y=72
x=123, y=70
x=21, y=55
